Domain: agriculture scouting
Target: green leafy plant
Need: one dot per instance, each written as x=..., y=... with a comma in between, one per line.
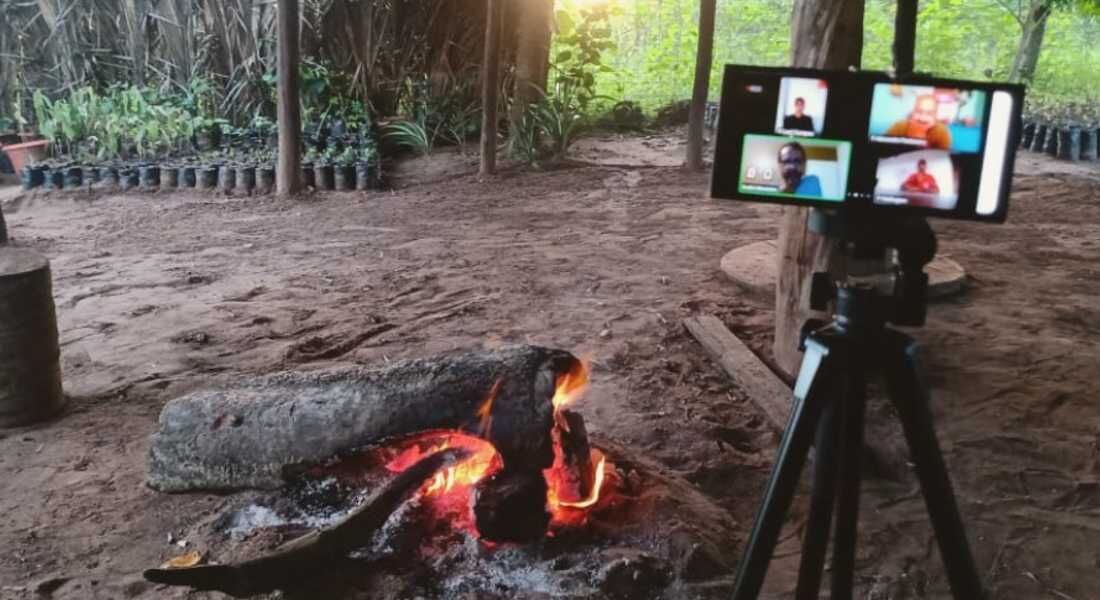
x=409, y=134
x=87, y=125
x=550, y=126
x=580, y=46
x=523, y=139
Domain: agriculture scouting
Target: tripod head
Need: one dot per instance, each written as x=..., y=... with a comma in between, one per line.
x=884, y=259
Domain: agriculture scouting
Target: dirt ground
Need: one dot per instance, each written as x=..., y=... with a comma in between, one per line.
x=159, y=294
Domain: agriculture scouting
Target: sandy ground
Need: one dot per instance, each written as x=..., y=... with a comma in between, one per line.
x=159, y=294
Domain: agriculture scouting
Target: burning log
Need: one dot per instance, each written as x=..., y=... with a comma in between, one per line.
x=511, y=507
x=298, y=559
x=576, y=475
x=248, y=434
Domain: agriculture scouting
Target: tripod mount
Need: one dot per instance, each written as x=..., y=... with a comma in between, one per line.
x=884, y=284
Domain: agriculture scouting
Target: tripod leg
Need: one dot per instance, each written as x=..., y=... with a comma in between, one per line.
x=910, y=397
x=819, y=524
x=789, y=460
x=851, y=412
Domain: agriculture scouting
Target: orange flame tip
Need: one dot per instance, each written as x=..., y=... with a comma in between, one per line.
x=594, y=497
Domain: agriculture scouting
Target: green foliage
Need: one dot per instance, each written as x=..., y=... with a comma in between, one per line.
x=451, y=114
x=409, y=134
x=89, y=125
x=560, y=116
x=583, y=36
x=549, y=126
x=200, y=102
x=326, y=94
x=653, y=56
x=523, y=139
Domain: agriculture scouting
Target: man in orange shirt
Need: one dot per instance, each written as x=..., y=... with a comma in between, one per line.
x=922, y=181
x=923, y=124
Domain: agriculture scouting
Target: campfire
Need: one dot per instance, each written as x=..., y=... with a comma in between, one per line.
x=512, y=471
x=509, y=504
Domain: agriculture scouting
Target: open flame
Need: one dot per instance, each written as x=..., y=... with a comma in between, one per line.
x=484, y=462
x=594, y=496
x=451, y=487
x=570, y=387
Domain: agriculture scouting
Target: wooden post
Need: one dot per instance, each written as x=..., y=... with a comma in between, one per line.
x=905, y=37
x=288, y=176
x=490, y=84
x=704, y=56
x=825, y=34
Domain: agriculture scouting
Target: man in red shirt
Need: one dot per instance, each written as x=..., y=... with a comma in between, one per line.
x=922, y=181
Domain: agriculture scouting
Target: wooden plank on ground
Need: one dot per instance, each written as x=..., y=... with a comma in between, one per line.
x=743, y=366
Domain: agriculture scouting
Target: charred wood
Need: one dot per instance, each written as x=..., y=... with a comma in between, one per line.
x=511, y=507
x=577, y=474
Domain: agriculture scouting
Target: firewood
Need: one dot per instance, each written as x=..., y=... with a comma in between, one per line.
x=249, y=434
x=296, y=560
x=511, y=507
x=577, y=474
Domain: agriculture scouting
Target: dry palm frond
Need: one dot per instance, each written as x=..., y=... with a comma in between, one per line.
x=374, y=47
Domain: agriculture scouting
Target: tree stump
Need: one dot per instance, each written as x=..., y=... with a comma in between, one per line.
x=30, y=371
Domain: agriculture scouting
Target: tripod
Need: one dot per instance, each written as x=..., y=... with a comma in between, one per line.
x=828, y=413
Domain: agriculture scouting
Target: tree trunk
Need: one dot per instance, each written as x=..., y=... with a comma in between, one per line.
x=533, y=35
x=137, y=13
x=905, y=37
x=825, y=34
x=1031, y=42
x=288, y=176
x=703, y=58
x=490, y=86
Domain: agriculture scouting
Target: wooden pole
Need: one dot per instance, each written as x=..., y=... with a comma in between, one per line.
x=288, y=176
x=905, y=37
x=490, y=84
x=826, y=34
x=704, y=57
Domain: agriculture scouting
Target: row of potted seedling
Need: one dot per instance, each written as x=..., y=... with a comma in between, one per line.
x=1072, y=142
x=224, y=177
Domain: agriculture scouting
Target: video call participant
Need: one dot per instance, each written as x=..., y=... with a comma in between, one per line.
x=799, y=121
x=921, y=181
x=792, y=169
x=922, y=124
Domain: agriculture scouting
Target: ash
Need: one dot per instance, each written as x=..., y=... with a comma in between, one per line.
x=511, y=570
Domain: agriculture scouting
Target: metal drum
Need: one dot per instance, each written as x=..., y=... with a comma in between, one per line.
x=30, y=371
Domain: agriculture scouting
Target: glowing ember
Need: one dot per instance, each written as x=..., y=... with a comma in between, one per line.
x=484, y=462
x=594, y=496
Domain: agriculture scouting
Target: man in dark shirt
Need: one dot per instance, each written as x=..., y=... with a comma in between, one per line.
x=799, y=121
